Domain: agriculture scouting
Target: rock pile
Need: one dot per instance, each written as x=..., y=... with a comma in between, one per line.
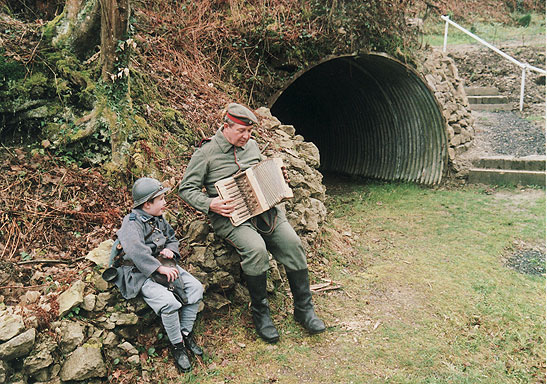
x=96, y=327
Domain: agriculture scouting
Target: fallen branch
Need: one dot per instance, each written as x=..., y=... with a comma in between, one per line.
x=321, y=287
x=50, y=261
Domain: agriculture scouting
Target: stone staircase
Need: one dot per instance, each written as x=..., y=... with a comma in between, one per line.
x=487, y=99
x=508, y=170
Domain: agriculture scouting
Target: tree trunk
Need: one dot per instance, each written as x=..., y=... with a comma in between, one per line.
x=114, y=26
x=84, y=25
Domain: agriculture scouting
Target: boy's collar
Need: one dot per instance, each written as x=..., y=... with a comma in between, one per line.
x=145, y=217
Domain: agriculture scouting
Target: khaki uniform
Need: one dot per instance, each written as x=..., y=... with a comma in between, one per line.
x=217, y=159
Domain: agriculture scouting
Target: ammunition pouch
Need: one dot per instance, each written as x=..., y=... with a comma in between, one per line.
x=116, y=260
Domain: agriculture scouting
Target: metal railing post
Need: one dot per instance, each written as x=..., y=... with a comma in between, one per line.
x=445, y=34
x=522, y=82
x=523, y=66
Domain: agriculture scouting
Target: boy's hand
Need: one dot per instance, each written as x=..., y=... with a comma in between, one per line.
x=167, y=253
x=171, y=273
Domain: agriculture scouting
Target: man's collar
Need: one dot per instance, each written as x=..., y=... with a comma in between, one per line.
x=223, y=143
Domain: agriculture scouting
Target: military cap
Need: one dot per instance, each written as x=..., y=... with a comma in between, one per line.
x=145, y=189
x=240, y=114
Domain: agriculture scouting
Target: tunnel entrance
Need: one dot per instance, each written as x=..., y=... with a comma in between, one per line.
x=369, y=115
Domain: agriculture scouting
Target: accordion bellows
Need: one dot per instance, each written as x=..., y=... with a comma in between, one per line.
x=255, y=190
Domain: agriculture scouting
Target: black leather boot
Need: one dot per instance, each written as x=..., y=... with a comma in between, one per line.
x=181, y=358
x=303, y=306
x=260, y=308
x=191, y=345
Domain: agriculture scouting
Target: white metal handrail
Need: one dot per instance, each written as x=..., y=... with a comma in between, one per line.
x=523, y=66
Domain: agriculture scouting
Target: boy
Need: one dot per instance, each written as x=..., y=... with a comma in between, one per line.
x=144, y=235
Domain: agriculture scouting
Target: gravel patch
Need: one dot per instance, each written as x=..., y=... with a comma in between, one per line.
x=505, y=133
x=528, y=261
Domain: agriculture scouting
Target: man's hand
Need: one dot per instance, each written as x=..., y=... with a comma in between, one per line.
x=171, y=273
x=285, y=174
x=167, y=253
x=222, y=207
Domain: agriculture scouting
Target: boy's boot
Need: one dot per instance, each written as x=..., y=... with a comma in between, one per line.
x=260, y=308
x=181, y=358
x=191, y=344
x=303, y=306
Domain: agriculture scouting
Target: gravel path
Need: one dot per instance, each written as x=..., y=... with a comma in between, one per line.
x=505, y=133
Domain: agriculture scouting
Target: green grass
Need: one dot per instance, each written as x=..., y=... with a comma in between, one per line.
x=493, y=33
x=426, y=295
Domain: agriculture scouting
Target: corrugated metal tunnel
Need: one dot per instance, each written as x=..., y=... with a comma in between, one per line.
x=369, y=115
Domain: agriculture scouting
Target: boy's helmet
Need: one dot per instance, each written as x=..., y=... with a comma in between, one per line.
x=146, y=188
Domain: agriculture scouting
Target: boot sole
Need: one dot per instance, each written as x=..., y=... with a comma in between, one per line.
x=182, y=369
x=270, y=341
x=310, y=331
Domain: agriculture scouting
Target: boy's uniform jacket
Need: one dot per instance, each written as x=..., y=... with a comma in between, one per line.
x=139, y=260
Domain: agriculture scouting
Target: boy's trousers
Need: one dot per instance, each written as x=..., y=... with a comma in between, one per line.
x=176, y=318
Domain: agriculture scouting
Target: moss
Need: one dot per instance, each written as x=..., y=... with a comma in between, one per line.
x=10, y=70
x=50, y=29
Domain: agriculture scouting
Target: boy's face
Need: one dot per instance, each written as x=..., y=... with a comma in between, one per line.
x=155, y=207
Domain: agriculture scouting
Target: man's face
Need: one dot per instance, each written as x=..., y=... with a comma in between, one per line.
x=237, y=134
x=155, y=207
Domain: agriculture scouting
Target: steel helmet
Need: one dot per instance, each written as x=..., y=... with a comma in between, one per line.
x=146, y=188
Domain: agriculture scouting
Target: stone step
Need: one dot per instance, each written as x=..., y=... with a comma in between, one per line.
x=490, y=99
x=491, y=107
x=528, y=163
x=481, y=91
x=506, y=177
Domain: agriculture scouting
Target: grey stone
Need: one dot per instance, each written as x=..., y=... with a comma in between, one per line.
x=10, y=325
x=19, y=346
x=84, y=363
x=38, y=361
x=31, y=297
x=71, y=335
x=102, y=300
x=128, y=348
x=203, y=259
x=124, y=318
x=89, y=302
x=216, y=302
x=4, y=371
x=197, y=231
x=71, y=298
x=101, y=254
x=134, y=359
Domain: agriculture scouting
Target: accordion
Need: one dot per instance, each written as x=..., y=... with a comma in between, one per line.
x=255, y=190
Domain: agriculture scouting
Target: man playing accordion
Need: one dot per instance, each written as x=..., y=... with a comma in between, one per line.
x=229, y=151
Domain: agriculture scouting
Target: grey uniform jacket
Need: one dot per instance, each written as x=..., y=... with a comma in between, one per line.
x=215, y=160
x=135, y=227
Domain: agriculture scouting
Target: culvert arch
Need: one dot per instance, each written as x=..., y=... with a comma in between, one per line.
x=370, y=115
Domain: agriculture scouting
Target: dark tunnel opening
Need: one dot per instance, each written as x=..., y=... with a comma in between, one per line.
x=370, y=116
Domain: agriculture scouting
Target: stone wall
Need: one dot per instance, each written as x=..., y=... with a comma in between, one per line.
x=96, y=328
x=441, y=75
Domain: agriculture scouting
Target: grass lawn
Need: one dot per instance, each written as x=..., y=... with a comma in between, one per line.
x=437, y=286
x=493, y=33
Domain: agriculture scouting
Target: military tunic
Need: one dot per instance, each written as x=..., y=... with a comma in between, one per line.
x=217, y=159
x=132, y=280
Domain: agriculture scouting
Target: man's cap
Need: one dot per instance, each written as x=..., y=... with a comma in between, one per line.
x=240, y=114
x=145, y=189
